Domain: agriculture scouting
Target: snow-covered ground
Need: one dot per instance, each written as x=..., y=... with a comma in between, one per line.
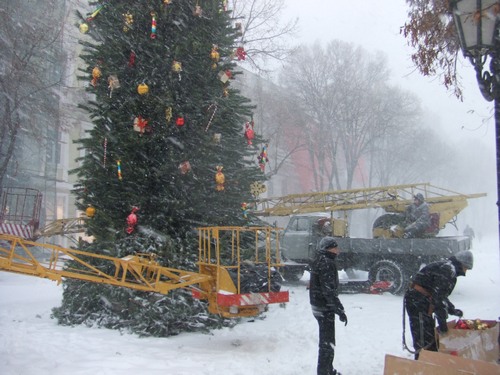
x=284, y=341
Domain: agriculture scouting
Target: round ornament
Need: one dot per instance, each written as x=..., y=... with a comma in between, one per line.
x=143, y=89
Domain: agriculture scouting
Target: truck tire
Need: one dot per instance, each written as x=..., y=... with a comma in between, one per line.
x=388, y=270
x=292, y=274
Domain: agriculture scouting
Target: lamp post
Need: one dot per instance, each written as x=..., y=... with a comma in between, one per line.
x=478, y=32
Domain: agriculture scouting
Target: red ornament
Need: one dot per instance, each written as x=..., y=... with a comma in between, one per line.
x=132, y=220
x=131, y=59
x=179, y=122
x=185, y=167
x=249, y=133
x=140, y=124
x=241, y=53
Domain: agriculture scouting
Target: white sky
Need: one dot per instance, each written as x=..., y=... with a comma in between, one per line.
x=375, y=25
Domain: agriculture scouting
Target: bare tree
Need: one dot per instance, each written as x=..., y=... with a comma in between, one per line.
x=264, y=35
x=343, y=90
x=29, y=43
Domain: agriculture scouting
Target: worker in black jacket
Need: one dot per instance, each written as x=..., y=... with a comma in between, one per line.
x=428, y=294
x=325, y=303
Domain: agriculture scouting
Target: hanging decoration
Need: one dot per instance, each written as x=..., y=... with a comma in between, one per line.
x=132, y=220
x=119, y=169
x=105, y=146
x=177, y=68
x=90, y=211
x=249, y=132
x=142, y=89
x=179, y=121
x=244, y=209
x=225, y=76
x=214, y=106
x=113, y=84
x=168, y=114
x=128, y=20
x=215, y=56
x=131, y=59
x=140, y=124
x=197, y=11
x=153, y=25
x=220, y=179
x=257, y=189
x=225, y=91
x=217, y=138
x=185, y=167
x=224, y=5
x=96, y=74
x=241, y=53
x=84, y=27
x=263, y=159
x=167, y=2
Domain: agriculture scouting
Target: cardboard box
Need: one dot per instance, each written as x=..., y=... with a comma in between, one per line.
x=463, y=364
x=473, y=344
x=402, y=366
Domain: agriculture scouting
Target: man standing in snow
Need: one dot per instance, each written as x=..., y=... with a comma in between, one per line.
x=428, y=294
x=325, y=303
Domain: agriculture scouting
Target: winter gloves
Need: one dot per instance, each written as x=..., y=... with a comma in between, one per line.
x=457, y=312
x=343, y=318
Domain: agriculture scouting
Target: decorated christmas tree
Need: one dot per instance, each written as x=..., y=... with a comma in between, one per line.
x=172, y=149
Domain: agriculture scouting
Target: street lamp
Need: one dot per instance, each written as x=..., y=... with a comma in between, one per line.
x=477, y=27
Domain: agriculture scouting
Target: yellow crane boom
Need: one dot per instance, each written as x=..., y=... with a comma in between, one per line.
x=393, y=198
x=219, y=280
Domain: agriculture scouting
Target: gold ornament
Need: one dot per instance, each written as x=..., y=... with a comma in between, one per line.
x=84, y=28
x=177, y=66
x=90, y=211
x=129, y=20
x=168, y=114
x=143, y=89
x=257, y=189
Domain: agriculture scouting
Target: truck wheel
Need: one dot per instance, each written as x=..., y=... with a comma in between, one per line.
x=292, y=275
x=387, y=270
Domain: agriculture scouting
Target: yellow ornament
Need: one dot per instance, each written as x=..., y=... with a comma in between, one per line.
x=129, y=20
x=215, y=55
x=220, y=179
x=84, y=28
x=143, y=89
x=177, y=66
x=90, y=211
x=96, y=74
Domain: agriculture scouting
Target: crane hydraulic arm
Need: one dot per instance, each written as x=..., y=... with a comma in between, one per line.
x=216, y=282
x=393, y=198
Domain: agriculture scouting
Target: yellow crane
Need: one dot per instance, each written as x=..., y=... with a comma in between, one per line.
x=237, y=266
x=444, y=204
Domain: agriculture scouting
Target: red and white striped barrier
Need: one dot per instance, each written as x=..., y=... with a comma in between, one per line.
x=19, y=230
x=251, y=299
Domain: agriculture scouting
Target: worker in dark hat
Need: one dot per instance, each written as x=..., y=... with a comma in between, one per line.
x=417, y=217
x=325, y=303
x=427, y=299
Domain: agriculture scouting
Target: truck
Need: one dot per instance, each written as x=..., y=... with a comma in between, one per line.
x=388, y=259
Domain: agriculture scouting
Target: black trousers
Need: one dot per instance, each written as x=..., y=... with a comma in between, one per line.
x=422, y=323
x=326, y=346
